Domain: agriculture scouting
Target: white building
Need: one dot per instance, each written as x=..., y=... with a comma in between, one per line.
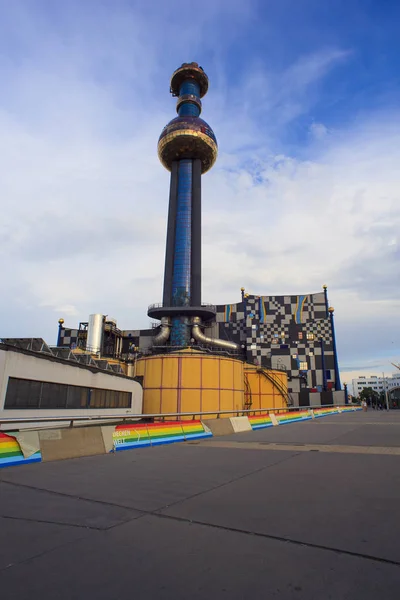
x=378, y=384
x=35, y=384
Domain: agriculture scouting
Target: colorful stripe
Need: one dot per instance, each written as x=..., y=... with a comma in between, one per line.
x=263, y=311
x=228, y=311
x=298, y=316
x=11, y=453
x=262, y=421
x=126, y=437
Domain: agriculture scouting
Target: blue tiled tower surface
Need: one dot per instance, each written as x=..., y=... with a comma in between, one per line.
x=187, y=147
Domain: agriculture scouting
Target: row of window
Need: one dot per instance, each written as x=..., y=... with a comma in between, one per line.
x=309, y=336
x=310, y=353
x=27, y=393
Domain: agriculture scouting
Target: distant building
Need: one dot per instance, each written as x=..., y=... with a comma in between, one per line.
x=378, y=384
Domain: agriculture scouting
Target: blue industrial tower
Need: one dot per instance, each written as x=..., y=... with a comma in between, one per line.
x=187, y=147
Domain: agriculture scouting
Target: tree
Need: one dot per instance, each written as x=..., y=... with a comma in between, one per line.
x=369, y=395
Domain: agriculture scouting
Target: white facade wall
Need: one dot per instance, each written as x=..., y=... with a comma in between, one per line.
x=24, y=366
x=378, y=384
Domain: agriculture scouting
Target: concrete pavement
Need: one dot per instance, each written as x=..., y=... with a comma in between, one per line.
x=301, y=511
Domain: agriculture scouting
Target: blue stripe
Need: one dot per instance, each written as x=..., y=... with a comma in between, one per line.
x=197, y=436
x=188, y=108
x=180, y=331
x=262, y=310
x=300, y=300
x=19, y=460
x=170, y=440
x=294, y=420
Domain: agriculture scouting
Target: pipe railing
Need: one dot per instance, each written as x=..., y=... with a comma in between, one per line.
x=162, y=416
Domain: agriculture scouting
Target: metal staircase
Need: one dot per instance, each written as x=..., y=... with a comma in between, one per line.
x=277, y=383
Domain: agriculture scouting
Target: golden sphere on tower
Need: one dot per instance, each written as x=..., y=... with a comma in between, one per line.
x=331, y=309
x=61, y=321
x=187, y=137
x=324, y=286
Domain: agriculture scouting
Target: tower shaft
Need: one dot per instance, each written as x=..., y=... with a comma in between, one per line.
x=188, y=148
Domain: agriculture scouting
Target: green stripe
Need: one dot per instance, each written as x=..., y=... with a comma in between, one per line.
x=154, y=437
x=10, y=454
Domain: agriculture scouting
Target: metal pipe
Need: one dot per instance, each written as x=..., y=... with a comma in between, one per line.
x=72, y=418
x=200, y=337
x=324, y=380
x=196, y=235
x=169, y=253
x=163, y=336
x=94, y=340
x=325, y=288
x=338, y=386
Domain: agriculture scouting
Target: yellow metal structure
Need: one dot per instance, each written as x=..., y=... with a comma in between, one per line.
x=191, y=382
x=265, y=388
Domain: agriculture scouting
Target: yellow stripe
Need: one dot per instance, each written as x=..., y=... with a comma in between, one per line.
x=9, y=445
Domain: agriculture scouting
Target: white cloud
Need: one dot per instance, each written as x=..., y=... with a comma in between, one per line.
x=85, y=199
x=318, y=131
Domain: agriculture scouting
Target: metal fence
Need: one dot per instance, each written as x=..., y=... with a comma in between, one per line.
x=71, y=419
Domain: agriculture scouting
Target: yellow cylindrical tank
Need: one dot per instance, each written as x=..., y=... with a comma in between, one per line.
x=192, y=382
x=265, y=388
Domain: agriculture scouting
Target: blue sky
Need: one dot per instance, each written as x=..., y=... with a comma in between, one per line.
x=304, y=101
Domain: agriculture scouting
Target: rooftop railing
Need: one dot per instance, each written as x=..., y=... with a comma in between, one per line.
x=71, y=419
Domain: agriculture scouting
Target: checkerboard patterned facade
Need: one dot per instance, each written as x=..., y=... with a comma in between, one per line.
x=292, y=333
x=287, y=332
x=69, y=338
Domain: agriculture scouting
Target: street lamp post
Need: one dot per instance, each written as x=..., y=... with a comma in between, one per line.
x=386, y=394
x=346, y=394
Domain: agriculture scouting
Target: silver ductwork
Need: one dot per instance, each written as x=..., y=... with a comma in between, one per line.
x=94, y=338
x=204, y=339
x=162, y=337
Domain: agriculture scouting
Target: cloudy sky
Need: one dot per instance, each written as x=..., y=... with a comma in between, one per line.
x=304, y=100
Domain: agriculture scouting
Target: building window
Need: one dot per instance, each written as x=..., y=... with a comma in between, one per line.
x=303, y=366
x=310, y=336
x=26, y=393
x=300, y=335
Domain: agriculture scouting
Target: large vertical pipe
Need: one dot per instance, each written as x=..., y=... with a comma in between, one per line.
x=181, y=280
x=338, y=385
x=94, y=340
x=325, y=288
x=183, y=236
x=323, y=365
x=170, y=249
x=60, y=329
x=196, y=234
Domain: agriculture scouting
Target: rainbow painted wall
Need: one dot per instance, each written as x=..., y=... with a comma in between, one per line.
x=262, y=421
x=11, y=453
x=126, y=437
x=137, y=435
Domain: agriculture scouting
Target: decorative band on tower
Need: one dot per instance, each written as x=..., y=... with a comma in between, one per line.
x=187, y=136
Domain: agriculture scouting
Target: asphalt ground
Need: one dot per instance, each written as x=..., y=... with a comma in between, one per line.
x=301, y=511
